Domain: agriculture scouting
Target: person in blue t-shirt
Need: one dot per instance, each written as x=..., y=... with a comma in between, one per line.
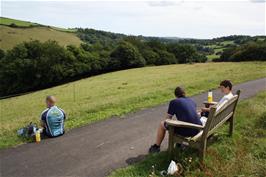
x=185, y=109
x=52, y=119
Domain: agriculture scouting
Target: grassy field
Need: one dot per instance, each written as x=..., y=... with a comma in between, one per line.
x=12, y=36
x=219, y=47
x=115, y=94
x=242, y=155
x=20, y=23
x=212, y=56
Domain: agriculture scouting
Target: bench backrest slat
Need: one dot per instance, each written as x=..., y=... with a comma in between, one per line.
x=217, y=118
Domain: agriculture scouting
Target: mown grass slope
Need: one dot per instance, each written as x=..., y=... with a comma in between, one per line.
x=118, y=93
x=19, y=23
x=25, y=31
x=12, y=36
x=242, y=155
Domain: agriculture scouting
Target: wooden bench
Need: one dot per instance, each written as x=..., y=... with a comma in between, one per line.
x=214, y=121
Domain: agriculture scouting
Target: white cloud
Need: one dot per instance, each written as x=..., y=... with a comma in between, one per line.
x=164, y=3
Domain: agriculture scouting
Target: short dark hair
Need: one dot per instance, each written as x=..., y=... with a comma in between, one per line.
x=226, y=83
x=179, y=92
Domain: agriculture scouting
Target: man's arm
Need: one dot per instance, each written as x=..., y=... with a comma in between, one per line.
x=205, y=109
x=42, y=119
x=171, y=110
x=42, y=124
x=63, y=113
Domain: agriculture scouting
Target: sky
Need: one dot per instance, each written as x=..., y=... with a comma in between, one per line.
x=186, y=19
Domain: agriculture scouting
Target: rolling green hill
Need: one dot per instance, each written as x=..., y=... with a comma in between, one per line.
x=14, y=22
x=117, y=93
x=17, y=31
x=12, y=36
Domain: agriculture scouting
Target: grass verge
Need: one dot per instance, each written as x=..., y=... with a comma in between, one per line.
x=115, y=94
x=242, y=155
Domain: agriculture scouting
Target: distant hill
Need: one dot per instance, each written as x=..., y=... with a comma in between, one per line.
x=12, y=36
x=19, y=23
x=17, y=31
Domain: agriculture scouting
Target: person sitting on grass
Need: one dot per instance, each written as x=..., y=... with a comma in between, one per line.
x=52, y=119
x=226, y=88
x=185, y=109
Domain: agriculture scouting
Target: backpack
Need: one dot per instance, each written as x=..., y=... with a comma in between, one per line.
x=28, y=131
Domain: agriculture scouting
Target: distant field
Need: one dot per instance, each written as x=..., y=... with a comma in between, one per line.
x=12, y=36
x=9, y=21
x=212, y=56
x=115, y=94
x=219, y=47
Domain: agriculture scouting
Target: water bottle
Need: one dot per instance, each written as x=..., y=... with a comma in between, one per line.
x=210, y=96
x=38, y=136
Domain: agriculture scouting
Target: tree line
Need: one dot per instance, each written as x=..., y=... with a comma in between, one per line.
x=36, y=65
x=250, y=51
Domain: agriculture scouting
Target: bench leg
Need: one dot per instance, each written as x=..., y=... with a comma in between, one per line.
x=171, y=143
x=231, y=126
x=203, y=150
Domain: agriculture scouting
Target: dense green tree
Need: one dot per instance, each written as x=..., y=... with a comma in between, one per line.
x=184, y=53
x=150, y=56
x=2, y=54
x=156, y=45
x=126, y=56
x=165, y=58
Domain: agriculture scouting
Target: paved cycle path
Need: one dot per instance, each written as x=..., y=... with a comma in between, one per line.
x=97, y=149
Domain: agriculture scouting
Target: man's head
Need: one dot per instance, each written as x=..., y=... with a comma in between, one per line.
x=179, y=92
x=226, y=86
x=50, y=101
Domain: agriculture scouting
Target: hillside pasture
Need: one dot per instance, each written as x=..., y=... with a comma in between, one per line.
x=13, y=36
x=117, y=93
x=19, y=23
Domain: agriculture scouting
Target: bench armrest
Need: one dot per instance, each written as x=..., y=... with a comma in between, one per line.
x=177, y=123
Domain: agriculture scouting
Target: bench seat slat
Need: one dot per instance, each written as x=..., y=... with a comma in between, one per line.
x=178, y=123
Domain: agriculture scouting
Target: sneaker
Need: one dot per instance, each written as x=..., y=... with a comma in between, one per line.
x=154, y=149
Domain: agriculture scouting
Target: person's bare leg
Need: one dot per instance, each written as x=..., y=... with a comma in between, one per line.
x=160, y=133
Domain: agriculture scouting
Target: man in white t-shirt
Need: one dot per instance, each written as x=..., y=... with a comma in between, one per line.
x=226, y=89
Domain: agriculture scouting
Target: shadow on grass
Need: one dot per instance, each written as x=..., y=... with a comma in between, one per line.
x=133, y=160
x=261, y=121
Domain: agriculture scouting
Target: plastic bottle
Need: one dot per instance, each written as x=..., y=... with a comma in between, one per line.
x=38, y=136
x=210, y=96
